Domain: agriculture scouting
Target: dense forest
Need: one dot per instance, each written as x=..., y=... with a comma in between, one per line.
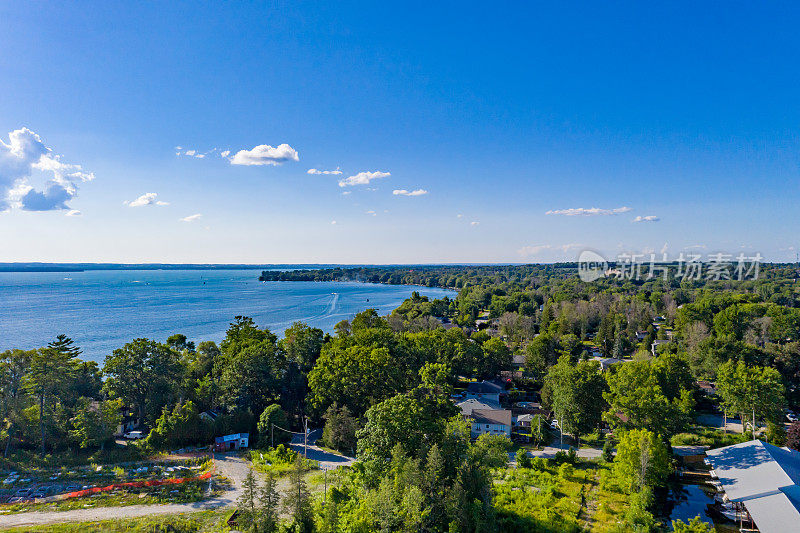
x=383, y=388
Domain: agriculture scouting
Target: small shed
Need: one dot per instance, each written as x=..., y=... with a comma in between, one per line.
x=234, y=441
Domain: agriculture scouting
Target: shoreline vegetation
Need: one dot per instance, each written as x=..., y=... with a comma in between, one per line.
x=386, y=389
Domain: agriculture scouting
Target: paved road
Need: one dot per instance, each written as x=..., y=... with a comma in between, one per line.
x=326, y=460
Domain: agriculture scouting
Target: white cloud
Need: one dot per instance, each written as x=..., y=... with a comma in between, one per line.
x=588, y=212
x=264, y=154
x=74, y=213
x=225, y=153
x=148, y=198
x=371, y=212
x=346, y=193
x=190, y=152
x=404, y=192
x=24, y=153
x=648, y=218
x=363, y=178
x=191, y=218
x=474, y=223
x=536, y=249
x=318, y=172
x=459, y=215
x=333, y=222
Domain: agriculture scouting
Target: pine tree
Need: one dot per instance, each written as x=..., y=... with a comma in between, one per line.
x=247, y=502
x=297, y=500
x=269, y=505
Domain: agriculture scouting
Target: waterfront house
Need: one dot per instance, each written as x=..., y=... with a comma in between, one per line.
x=762, y=482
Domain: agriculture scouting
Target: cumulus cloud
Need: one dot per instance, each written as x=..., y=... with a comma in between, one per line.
x=404, y=192
x=363, y=178
x=191, y=218
x=225, y=153
x=318, y=172
x=536, y=249
x=264, y=154
x=74, y=213
x=648, y=218
x=371, y=212
x=24, y=153
x=474, y=223
x=588, y=211
x=148, y=198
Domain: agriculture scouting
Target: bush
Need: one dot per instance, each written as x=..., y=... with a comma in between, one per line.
x=523, y=459
x=608, y=451
x=539, y=463
x=776, y=434
x=565, y=471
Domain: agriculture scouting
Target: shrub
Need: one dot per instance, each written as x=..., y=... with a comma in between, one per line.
x=523, y=459
x=608, y=451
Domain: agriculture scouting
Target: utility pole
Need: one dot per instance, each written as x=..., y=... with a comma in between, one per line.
x=271, y=436
x=305, y=437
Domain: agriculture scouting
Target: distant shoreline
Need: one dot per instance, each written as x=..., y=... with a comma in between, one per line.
x=82, y=267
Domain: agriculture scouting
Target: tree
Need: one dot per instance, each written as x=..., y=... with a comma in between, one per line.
x=50, y=374
x=95, y=422
x=340, y=429
x=496, y=357
x=269, y=500
x=695, y=525
x=297, y=500
x=177, y=427
x=14, y=366
x=272, y=416
x=252, y=367
x=642, y=460
x=750, y=391
x=575, y=394
x=302, y=345
x=248, y=501
x=145, y=374
x=644, y=395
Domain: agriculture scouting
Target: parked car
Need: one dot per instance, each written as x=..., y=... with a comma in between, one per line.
x=791, y=417
x=554, y=424
x=133, y=435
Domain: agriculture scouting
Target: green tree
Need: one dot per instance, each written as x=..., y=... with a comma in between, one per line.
x=297, y=500
x=95, y=422
x=273, y=415
x=750, y=391
x=340, y=429
x=50, y=375
x=145, y=374
x=642, y=460
x=575, y=395
x=644, y=395
x=695, y=525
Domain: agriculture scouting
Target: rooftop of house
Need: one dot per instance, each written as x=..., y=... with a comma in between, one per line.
x=484, y=387
x=491, y=416
x=468, y=406
x=765, y=478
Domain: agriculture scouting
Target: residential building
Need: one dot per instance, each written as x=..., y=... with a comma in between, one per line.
x=763, y=483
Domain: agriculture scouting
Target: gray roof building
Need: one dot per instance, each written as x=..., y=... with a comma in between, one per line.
x=765, y=478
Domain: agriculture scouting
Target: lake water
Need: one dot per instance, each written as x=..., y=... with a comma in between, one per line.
x=102, y=310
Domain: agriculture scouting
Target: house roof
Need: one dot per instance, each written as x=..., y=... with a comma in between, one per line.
x=234, y=436
x=484, y=387
x=525, y=418
x=766, y=478
x=467, y=406
x=492, y=416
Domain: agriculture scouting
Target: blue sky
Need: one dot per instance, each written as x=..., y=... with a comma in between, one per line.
x=534, y=130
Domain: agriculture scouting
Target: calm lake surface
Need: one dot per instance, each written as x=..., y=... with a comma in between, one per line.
x=102, y=310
